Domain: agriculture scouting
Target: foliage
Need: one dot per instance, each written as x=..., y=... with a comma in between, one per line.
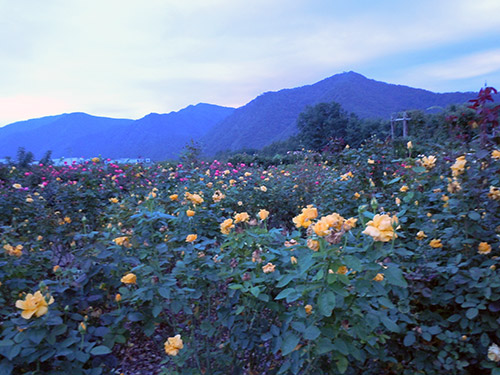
x=258, y=294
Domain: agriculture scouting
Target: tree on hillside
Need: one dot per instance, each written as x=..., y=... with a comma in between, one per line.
x=24, y=158
x=322, y=122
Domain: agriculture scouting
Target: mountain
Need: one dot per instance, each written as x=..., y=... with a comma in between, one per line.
x=157, y=136
x=272, y=116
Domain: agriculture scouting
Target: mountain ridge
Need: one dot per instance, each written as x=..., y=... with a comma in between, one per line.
x=270, y=117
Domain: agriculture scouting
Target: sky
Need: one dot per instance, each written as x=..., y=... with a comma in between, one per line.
x=127, y=58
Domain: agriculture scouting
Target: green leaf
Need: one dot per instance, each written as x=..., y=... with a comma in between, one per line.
x=311, y=333
x=473, y=215
x=290, y=341
x=326, y=303
x=100, y=350
x=409, y=339
x=342, y=364
x=235, y=286
x=255, y=290
x=284, y=280
x=472, y=313
x=284, y=293
x=324, y=345
x=389, y=324
x=164, y=292
x=394, y=276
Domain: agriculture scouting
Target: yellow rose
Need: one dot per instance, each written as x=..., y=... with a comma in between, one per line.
x=173, y=345
x=293, y=260
x=17, y=186
x=321, y=228
x=241, y=217
x=379, y=277
x=129, y=278
x=263, y=214
x=301, y=221
x=459, y=166
x=310, y=212
x=435, y=243
x=404, y=189
x=226, y=225
x=333, y=221
x=428, y=162
x=34, y=304
x=484, y=248
x=495, y=154
x=194, y=198
x=308, y=309
x=113, y=200
x=342, y=270
x=380, y=228
x=174, y=197
x=118, y=297
x=122, y=241
x=191, y=237
x=190, y=213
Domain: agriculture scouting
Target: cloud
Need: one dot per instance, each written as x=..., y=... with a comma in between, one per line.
x=127, y=58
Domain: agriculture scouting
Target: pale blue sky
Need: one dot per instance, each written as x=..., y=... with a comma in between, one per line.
x=126, y=58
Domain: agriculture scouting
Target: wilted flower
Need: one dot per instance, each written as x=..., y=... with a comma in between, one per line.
x=293, y=260
x=34, y=304
x=129, y=278
x=263, y=214
x=494, y=193
x=173, y=345
x=494, y=353
x=435, y=243
x=459, y=166
x=454, y=187
x=421, y=235
x=484, y=248
x=313, y=244
x=218, y=196
x=381, y=228
x=268, y=268
x=191, y=237
x=226, y=225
